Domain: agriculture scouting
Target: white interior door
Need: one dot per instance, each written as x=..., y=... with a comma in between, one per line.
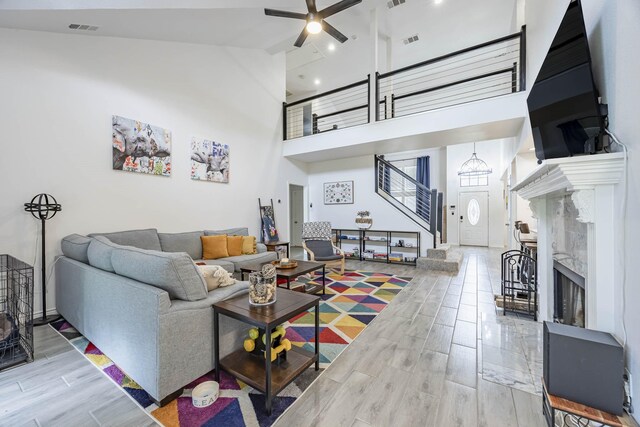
x=296, y=201
x=474, y=218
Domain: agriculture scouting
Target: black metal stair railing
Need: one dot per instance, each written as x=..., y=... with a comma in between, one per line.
x=409, y=196
x=336, y=109
x=490, y=69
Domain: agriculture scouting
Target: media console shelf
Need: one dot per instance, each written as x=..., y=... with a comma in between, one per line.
x=393, y=247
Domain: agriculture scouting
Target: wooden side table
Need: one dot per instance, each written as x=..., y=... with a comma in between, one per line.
x=272, y=246
x=551, y=404
x=260, y=373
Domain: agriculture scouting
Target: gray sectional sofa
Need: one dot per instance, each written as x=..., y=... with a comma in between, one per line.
x=138, y=296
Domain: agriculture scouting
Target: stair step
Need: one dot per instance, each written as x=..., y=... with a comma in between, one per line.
x=450, y=264
x=438, y=253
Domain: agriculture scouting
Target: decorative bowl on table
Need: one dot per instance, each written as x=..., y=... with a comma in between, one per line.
x=285, y=263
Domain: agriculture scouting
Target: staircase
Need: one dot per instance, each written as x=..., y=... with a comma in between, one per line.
x=441, y=259
x=422, y=205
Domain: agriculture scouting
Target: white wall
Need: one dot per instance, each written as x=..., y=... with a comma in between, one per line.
x=59, y=93
x=361, y=171
x=497, y=155
x=525, y=164
x=613, y=38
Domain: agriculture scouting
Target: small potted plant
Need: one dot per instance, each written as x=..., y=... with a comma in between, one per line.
x=363, y=220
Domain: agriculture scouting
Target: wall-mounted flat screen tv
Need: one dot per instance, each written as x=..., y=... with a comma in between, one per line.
x=563, y=103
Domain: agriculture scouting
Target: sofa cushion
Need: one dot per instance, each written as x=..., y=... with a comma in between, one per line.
x=173, y=272
x=234, y=245
x=320, y=248
x=261, y=247
x=76, y=246
x=221, y=262
x=249, y=245
x=188, y=242
x=244, y=260
x=143, y=239
x=99, y=253
x=238, y=231
x=214, y=247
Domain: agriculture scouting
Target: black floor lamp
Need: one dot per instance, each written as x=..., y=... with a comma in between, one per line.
x=43, y=207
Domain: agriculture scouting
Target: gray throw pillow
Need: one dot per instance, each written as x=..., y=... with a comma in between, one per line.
x=143, y=239
x=99, y=253
x=238, y=231
x=75, y=247
x=188, y=242
x=175, y=273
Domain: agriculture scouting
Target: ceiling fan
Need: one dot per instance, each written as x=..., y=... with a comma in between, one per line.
x=316, y=20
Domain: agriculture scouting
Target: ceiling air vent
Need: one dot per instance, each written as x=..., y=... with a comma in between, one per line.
x=82, y=27
x=412, y=39
x=393, y=3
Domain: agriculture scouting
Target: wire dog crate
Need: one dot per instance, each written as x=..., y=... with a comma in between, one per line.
x=519, y=283
x=16, y=311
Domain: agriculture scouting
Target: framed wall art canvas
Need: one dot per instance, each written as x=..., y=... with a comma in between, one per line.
x=140, y=147
x=338, y=193
x=209, y=160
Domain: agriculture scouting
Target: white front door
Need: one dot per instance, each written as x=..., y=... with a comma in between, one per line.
x=474, y=219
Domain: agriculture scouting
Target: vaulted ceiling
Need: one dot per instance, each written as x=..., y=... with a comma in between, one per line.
x=442, y=26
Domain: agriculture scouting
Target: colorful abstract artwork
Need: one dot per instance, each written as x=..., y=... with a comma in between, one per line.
x=269, y=231
x=140, y=147
x=209, y=161
x=338, y=193
x=351, y=302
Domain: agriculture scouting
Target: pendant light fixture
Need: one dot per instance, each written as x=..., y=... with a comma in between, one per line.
x=474, y=166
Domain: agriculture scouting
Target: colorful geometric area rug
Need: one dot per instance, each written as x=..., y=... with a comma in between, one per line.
x=351, y=302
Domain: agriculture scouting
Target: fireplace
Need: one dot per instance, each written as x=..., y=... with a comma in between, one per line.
x=568, y=296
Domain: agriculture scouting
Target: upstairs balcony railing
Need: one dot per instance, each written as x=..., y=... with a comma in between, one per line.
x=336, y=109
x=487, y=70
x=478, y=72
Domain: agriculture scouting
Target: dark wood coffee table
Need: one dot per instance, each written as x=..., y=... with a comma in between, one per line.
x=260, y=373
x=290, y=274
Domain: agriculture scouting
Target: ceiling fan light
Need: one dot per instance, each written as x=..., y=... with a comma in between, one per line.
x=314, y=27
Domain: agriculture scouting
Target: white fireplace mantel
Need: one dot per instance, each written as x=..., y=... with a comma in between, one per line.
x=590, y=181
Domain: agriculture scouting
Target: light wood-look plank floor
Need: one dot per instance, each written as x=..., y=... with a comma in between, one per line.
x=62, y=388
x=419, y=363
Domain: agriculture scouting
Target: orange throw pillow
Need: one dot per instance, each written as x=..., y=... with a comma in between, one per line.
x=214, y=247
x=249, y=245
x=234, y=245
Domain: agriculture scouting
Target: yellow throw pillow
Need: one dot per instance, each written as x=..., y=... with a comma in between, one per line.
x=214, y=247
x=234, y=245
x=249, y=245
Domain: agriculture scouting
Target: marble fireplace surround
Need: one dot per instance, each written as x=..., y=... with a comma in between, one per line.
x=589, y=181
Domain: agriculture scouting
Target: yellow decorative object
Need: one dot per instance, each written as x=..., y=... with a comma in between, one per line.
x=249, y=345
x=285, y=345
x=254, y=333
x=280, y=331
x=234, y=245
x=249, y=245
x=214, y=247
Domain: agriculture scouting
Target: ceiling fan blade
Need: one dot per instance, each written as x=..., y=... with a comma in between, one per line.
x=338, y=7
x=285, y=14
x=301, y=38
x=311, y=6
x=331, y=30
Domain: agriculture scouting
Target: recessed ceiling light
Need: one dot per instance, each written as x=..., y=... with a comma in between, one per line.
x=331, y=47
x=316, y=82
x=437, y=1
